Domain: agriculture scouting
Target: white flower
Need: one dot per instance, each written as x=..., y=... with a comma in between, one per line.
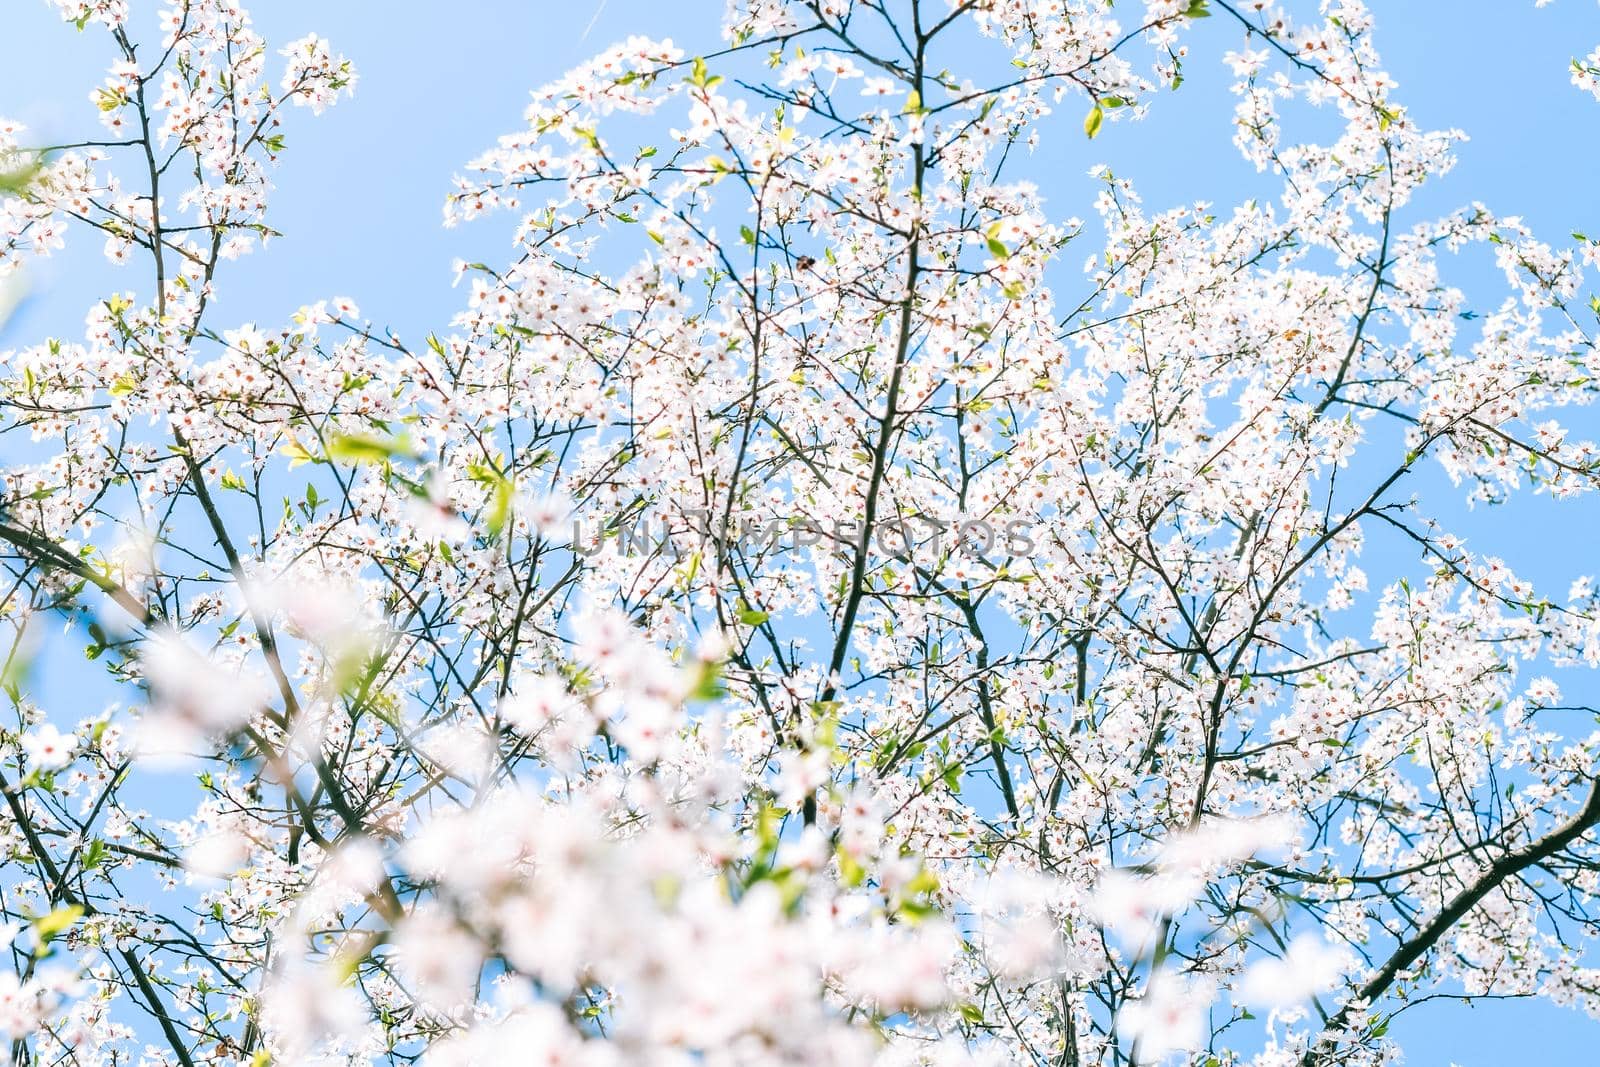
x=304, y=1005
x=605, y=638
x=1133, y=908
x=537, y=703
x=464, y=749
x=1224, y=842
x=1169, y=1017
x=433, y=513
x=550, y=514
x=48, y=749
x=1309, y=966
x=438, y=957
x=19, y=1006
x=192, y=698
x=645, y=727
x=246, y=338
x=801, y=774
x=217, y=854
x=1021, y=939
x=1246, y=63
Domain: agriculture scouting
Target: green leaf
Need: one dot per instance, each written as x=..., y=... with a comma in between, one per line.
x=707, y=682
x=297, y=454
x=1091, y=122
x=500, y=505
x=1197, y=10
x=51, y=926
x=363, y=448
x=699, y=77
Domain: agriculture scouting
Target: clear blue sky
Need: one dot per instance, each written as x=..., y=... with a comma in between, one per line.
x=440, y=81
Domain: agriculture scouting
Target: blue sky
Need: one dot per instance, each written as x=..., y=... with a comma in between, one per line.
x=360, y=190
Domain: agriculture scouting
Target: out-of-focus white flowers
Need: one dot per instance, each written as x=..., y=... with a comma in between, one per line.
x=1133, y=905
x=1217, y=844
x=194, y=698
x=217, y=854
x=695, y=962
x=433, y=512
x=550, y=515
x=47, y=748
x=306, y=1006
x=1019, y=933
x=1169, y=1017
x=25, y=1002
x=438, y=957
x=1308, y=967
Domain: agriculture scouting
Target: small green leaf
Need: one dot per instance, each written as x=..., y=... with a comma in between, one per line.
x=297, y=453
x=707, y=682
x=699, y=77
x=362, y=448
x=1091, y=122
x=51, y=926
x=500, y=505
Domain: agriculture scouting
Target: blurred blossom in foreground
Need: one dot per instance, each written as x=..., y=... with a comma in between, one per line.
x=194, y=699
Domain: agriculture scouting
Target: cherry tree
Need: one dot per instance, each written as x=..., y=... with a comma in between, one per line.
x=819, y=601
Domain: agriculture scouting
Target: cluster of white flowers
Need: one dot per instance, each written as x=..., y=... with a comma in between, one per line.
x=474, y=772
